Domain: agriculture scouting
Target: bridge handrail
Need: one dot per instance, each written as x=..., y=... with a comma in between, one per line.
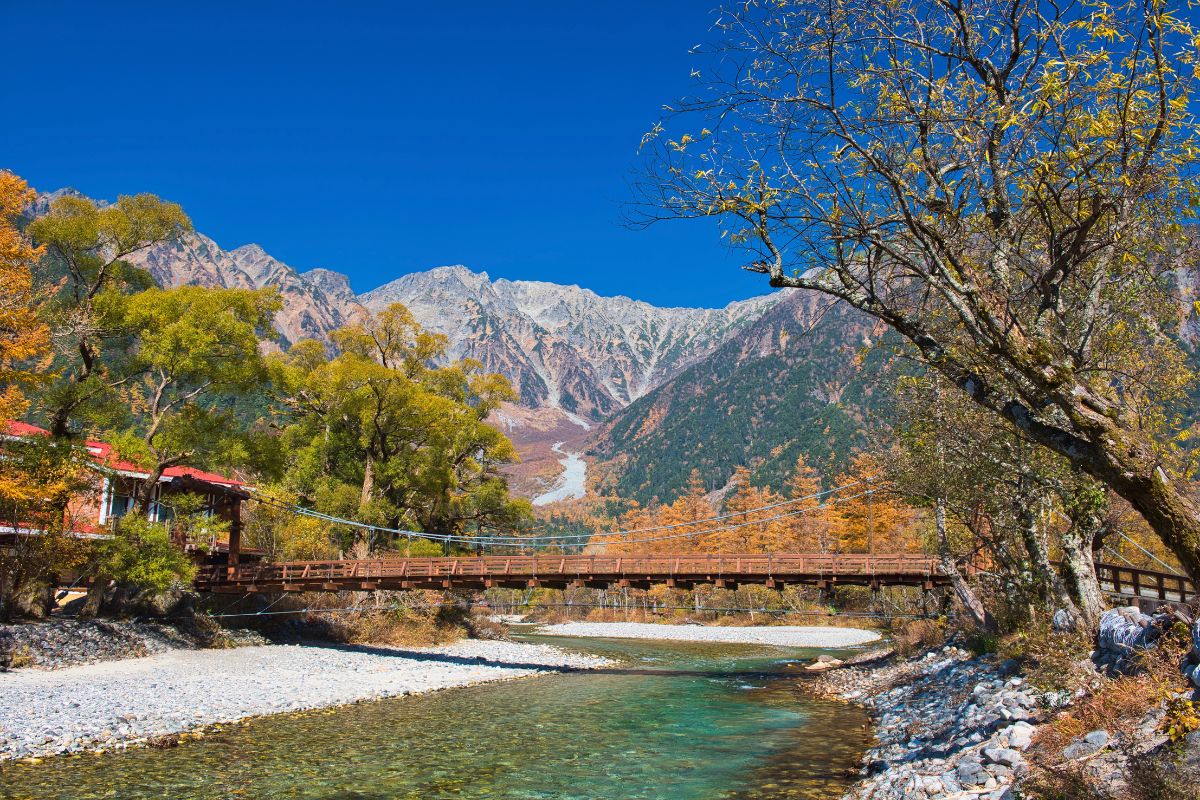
x=622, y=564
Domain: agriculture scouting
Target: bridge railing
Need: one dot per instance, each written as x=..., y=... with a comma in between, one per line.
x=1144, y=583
x=632, y=566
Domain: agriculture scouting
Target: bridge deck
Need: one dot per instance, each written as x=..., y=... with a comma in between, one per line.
x=639, y=571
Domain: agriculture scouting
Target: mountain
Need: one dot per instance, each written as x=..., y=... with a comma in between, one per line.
x=800, y=380
x=652, y=391
x=315, y=303
x=562, y=346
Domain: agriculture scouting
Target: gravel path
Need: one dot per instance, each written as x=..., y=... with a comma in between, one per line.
x=115, y=703
x=782, y=635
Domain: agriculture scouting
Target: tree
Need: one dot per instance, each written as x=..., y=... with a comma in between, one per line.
x=86, y=247
x=40, y=477
x=1000, y=501
x=870, y=516
x=24, y=339
x=812, y=529
x=383, y=436
x=750, y=531
x=141, y=554
x=1002, y=183
x=193, y=348
x=282, y=535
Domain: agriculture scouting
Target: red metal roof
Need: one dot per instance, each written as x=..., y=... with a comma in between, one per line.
x=103, y=454
x=14, y=427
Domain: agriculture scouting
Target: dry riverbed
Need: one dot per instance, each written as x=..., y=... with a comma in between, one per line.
x=118, y=703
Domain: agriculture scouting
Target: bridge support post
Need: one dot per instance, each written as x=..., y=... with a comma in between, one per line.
x=235, y=538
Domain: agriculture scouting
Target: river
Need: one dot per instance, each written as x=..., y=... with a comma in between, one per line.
x=684, y=721
x=571, y=484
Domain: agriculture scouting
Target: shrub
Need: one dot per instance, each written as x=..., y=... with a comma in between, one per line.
x=140, y=553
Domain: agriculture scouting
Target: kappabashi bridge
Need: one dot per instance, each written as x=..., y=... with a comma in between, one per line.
x=638, y=571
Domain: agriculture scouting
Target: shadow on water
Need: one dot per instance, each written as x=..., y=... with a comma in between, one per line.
x=675, y=721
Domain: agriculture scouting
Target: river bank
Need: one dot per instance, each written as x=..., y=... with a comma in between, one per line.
x=69, y=642
x=947, y=724
x=138, y=700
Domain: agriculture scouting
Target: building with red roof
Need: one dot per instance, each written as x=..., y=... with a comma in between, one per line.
x=112, y=492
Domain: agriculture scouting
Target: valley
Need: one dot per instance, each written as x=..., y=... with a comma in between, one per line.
x=635, y=389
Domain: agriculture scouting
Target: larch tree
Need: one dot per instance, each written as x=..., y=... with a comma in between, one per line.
x=811, y=529
x=869, y=516
x=752, y=528
x=1002, y=183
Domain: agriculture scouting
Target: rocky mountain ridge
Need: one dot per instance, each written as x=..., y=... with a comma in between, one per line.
x=563, y=347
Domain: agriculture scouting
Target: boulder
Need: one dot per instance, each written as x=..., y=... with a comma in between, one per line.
x=1019, y=735
x=1125, y=630
x=1005, y=756
x=121, y=602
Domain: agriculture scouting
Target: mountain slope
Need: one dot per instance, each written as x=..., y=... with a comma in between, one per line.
x=798, y=381
x=563, y=346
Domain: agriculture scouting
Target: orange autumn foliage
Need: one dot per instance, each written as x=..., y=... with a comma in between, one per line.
x=24, y=339
x=761, y=520
x=23, y=336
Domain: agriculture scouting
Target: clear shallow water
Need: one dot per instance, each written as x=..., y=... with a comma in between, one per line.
x=677, y=721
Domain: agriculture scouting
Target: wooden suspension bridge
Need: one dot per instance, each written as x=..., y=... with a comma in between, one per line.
x=639, y=571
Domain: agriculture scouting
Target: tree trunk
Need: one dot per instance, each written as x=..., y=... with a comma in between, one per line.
x=1170, y=512
x=368, y=484
x=966, y=595
x=95, y=596
x=1098, y=441
x=146, y=491
x=1047, y=583
x=1079, y=572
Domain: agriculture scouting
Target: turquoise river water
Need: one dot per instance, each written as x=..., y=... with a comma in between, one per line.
x=674, y=721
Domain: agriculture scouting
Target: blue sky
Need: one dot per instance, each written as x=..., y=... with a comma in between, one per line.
x=375, y=138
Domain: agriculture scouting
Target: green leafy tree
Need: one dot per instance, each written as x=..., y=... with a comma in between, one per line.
x=193, y=348
x=87, y=247
x=139, y=554
x=382, y=435
x=1002, y=183
x=996, y=495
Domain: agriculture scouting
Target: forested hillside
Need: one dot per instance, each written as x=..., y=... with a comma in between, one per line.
x=801, y=381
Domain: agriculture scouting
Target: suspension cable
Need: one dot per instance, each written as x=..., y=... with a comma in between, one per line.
x=507, y=541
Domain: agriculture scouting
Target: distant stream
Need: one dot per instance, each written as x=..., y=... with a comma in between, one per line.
x=571, y=484
x=675, y=721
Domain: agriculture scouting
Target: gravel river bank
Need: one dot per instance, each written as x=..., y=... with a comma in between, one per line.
x=119, y=703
